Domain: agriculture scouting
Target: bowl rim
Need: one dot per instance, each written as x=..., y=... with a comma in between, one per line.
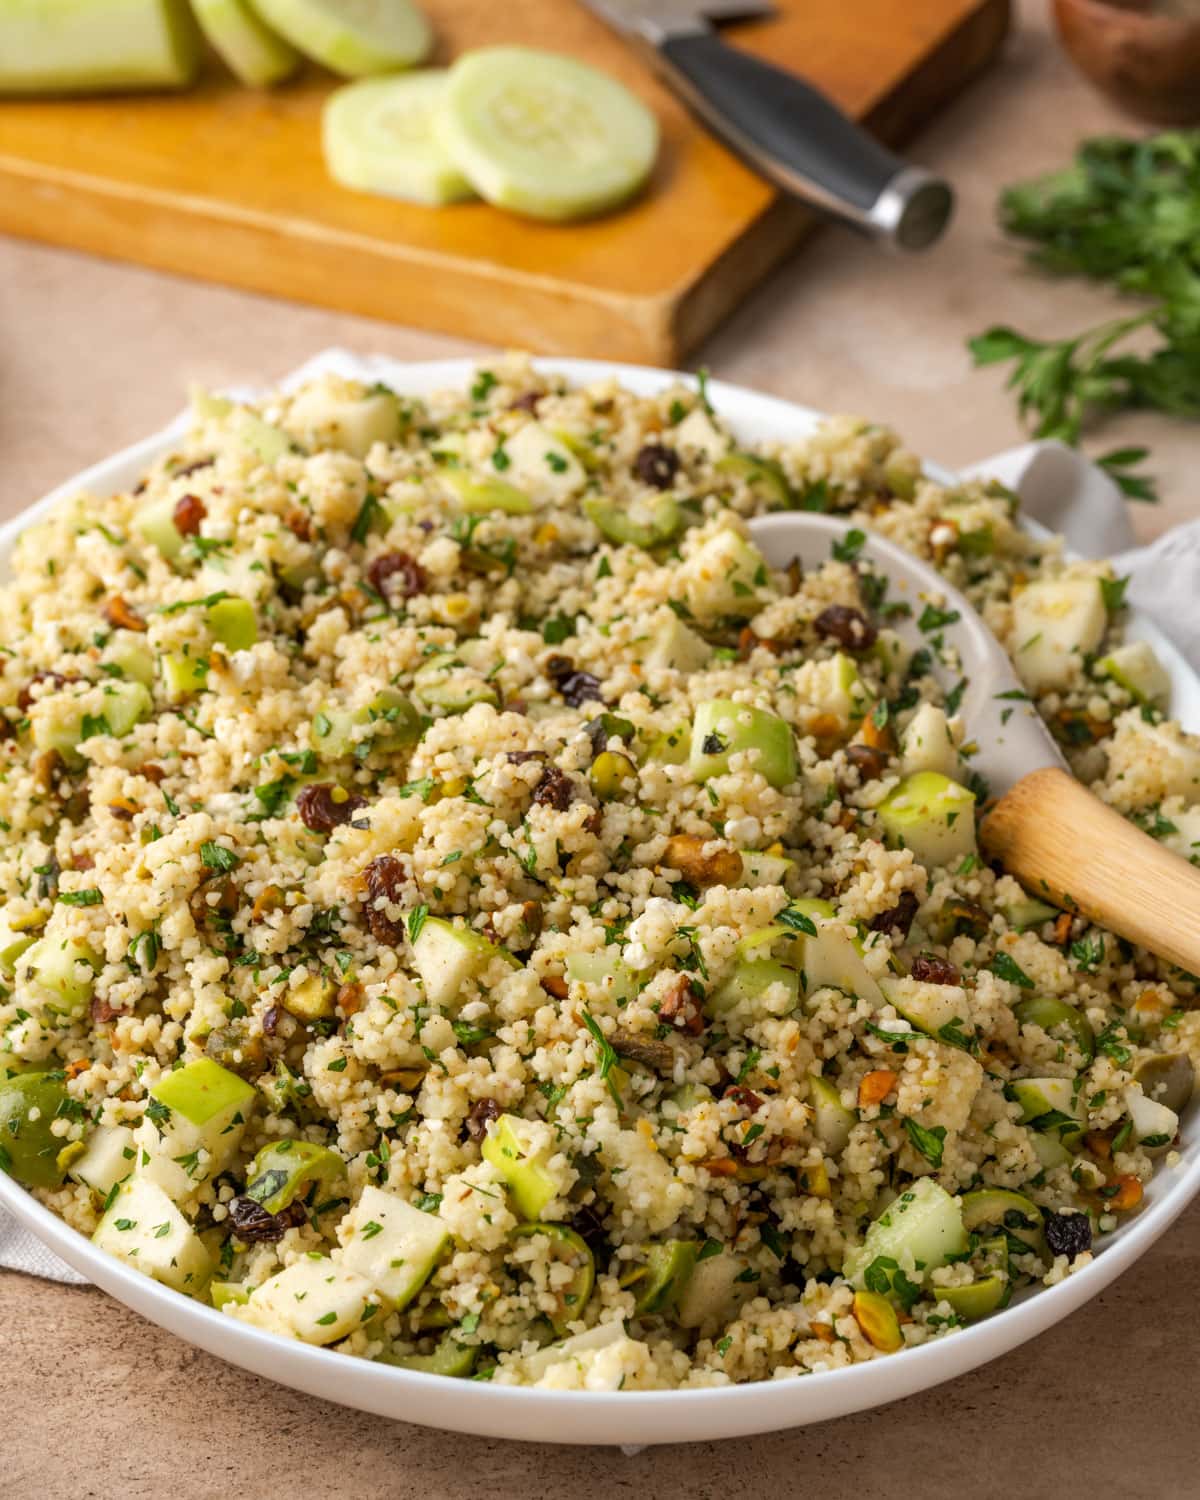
x=606, y=1417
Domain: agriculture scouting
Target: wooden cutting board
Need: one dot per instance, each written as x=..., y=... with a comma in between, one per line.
x=227, y=184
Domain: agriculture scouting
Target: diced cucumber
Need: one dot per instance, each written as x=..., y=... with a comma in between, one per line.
x=233, y=623
x=282, y=1168
x=1055, y=624
x=713, y=1291
x=657, y=523
x=91, y=46
x=448, y=957
x=543, y=466
x=939, y=1010
x=762, y=474
x=931, y=815
x=193, y=1125
x=394, y=1245
x=59, y=722
x=605, y=972
x=669, y=1267
x=764, y=869
x=29, y=1149
x=156, y=525
x=65, y=969
x=338, y=413
x=565, y=1247
x=449, y=1358
x=727, y=576
x=480, y=496
x=510, y=1147
x=1136, y=668
x=108, y=1157
x=354, y=37
x=314, y=1300
x=145, y=1229
x=832, y=1120
x=927, y=744
x=1056, y=1017
x=448, y=683
x=250, y=50
x=676, y=647
x=545, y=135
x=722, y=728
x=920, y=1230
x=750, y=981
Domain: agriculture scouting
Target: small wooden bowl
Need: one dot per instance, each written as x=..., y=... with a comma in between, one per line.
x=1147, y=63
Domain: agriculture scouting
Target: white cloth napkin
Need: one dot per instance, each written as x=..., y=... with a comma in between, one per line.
x=1065, y=493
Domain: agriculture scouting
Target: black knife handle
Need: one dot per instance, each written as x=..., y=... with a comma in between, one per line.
x=794, y=135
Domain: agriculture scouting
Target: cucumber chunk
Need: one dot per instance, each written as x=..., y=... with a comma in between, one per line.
x=1016, y=1216
x=354, y=37
x=250, y=50
x=378, y=136
x=87, y=46
x=1055, y=1017
x=545, y=135
x=233, y=623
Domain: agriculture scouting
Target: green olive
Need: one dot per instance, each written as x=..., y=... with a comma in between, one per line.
x=668, y=1268
x=28, y=1147
x=1168, y=1078
x=609, y=770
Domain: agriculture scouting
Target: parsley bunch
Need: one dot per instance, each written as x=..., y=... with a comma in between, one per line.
x=1126, y=212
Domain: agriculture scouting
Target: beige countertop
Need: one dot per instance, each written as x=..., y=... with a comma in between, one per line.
x=98, y=1402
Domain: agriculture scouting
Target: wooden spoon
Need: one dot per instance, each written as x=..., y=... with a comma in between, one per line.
x=1046, y=828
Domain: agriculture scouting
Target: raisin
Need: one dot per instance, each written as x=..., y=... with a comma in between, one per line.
x=189, y=511
x=527, y=401
x=271, y=1020
x=410, y=577
x=103, y=1012
x=385, y=880
x=683, y=1007
x=847, y=626
x=933, y=970
x=899, y=918
x=480, y=1116
x=657, y=465
x=743, y=1097
x=255, y=1226
x=576, y=687
x=869, y=761
x=121, y=615
x=1067, y=1234
x=555, y=789
x=322, y=810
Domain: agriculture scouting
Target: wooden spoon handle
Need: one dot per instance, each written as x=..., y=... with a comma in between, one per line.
x=1062, y=842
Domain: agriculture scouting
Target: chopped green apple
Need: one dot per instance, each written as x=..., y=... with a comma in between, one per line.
x=1057, y=1019
x=832, y=1120
x=448, y=957
x=142, y=1227
x=522, y=1159
x=578, y=1347
x=543, y=466
x=1001, y=1209
x=931, y=815
x=29, y=1149
x=722, y=728
x=1135, y=667
x=833, y=957
x=713, y=1291
x=487, y=494
x=698, y=433
x=282, y=1168
x=565, y=1248
x=338, y=414
x=394, y=1245
x=65, y=969
x=314, y=1300
x=939, y=1010
x=835, y=687
x=1055, y=624
x=760, y=869
x=448, y=683
x=1154, y=1125
x=193, y=1125
x=156, y=525
x=726, y=576
x=132, y=658
x=108, y=1158
x=17, y=934
x=676, y=647
x=750, y=980
x=920, y=1230
x=62, y=722
x=648, y=526
x=605, y=972
x=1055, y=1098
x=927, y=744
x=1027, y=911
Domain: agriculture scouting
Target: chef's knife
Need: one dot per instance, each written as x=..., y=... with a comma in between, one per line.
x=784, y=127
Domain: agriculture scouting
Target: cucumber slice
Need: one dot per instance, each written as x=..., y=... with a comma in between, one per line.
x=86, y=46
x=545, y=135
x=353, y=37
x=378, y=136
x=251, y=52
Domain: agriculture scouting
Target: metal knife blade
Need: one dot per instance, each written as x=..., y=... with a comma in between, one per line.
x=652, y=19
